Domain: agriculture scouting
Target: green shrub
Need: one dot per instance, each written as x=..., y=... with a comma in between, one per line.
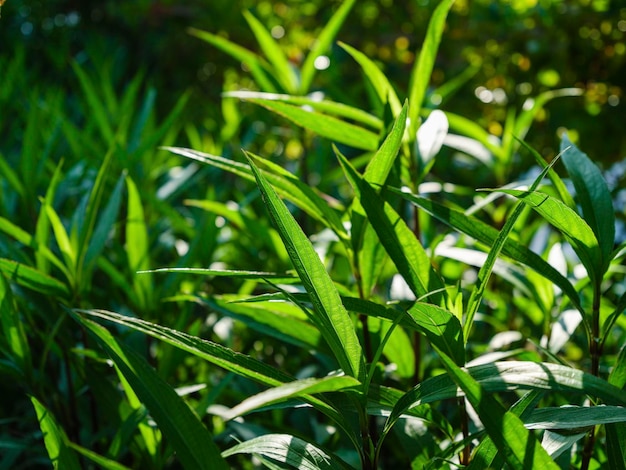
x=356, y=312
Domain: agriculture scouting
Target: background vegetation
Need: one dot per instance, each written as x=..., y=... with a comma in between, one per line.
x=92, y=91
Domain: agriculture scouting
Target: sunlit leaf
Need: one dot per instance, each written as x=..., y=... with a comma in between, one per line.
x=290, y=450
x=329, y=314
x=323, y=41
x=193, y=442
x=593, y=195
x=55, y=439
x=326, y=126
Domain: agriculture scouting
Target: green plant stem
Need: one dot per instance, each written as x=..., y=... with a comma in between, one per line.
x=595, y=350
x=465, y=453
x=367, y=445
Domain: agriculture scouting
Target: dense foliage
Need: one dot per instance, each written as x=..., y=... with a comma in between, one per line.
x=341, y=293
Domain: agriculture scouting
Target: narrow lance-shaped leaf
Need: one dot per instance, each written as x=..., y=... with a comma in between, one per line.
x=93, y=211
x=329, y=313
x=522, y=449
x=221, y=356
x=325, y=106
x=486, y=234
x=616, y=433
x=284, y=73
x=423, y=68
x=326, y=126
x=137, y=248
x=13, y=329
x=365, y=242
x=594, y=198
x=42, y=231
x=442, y=328
x=33, y=279
x=485, y=271
x=192, y=441
x=300, y=194
x=508, y=376
x=574, y=228
x=379, y=80
x=293, y=389
x=55, y=439
x=322, y=43
x=403, y=248
x=487, y=454
x=291, y=450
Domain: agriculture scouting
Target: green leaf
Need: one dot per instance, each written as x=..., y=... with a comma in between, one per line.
x=97, y=108
x=222, y=273
x=106, y=220
x=324, y=106
x=423, y=67
x=575, y=418
x=616, y=433
x=61, y=236
x=486, y=234
x=403, y=248
x=281, y=320
x=594, y=197
x=192, y=441
x=103, y=462
x=486, y=454
x=555, y=179
x=283, y=72
x=326, y=126
x=322, y=43
x=285, y=182
x=220, y=356
x=13, y=329
x=378, y=79
x=290, y=450
x=33, y=279
x=137, y=249
x=574, y=228
x=370, y=252
x=257, y=66
x=521, y=448
x=329, y=313
x=507, y=376
x=55, y=439
x=26, y=239
x=442, y=329
x=289, y=187
x=494, y=252
x=295, y=389
x=380, y=165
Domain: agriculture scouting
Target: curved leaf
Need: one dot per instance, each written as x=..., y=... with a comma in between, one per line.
x=326, y=126
x=325, y=106
x=378, y=79
x=329, y=313
x=403, y=248
x=593, y=195
x=290, y=450
x=423, y=67
x=297, y=388
x=574, y=228
x=442, y=329
x=33, y=279
x=283, y=72
x=322, y=43
x=507, y=376
x=192, y=441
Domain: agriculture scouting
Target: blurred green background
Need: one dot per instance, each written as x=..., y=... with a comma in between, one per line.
x=520, y=48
